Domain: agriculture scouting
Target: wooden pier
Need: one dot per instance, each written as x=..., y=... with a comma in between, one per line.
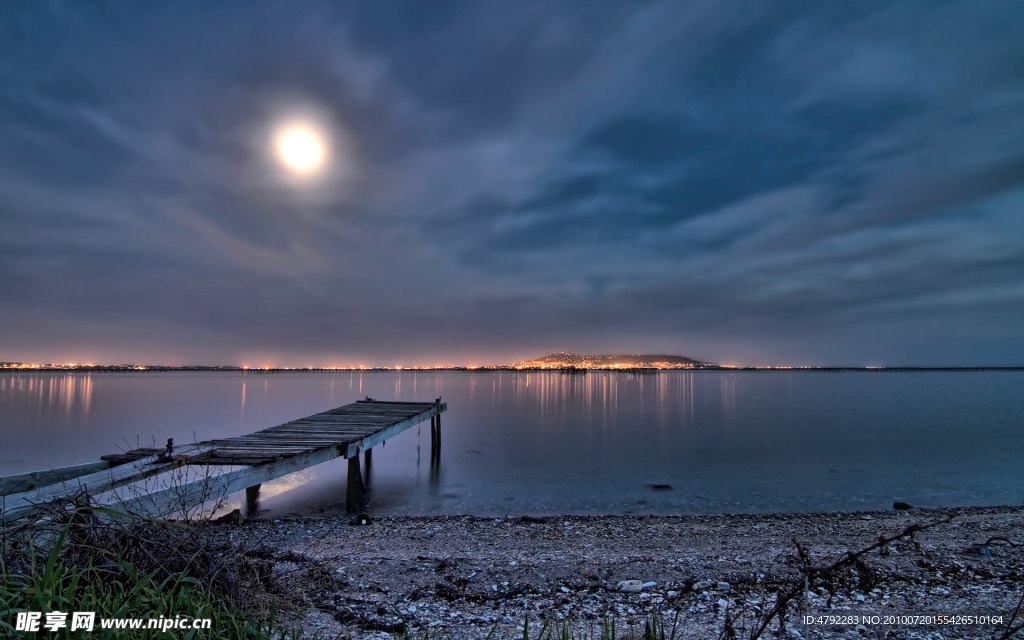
x=249, y=460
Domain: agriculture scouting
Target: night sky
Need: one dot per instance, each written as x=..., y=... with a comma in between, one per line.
x=742, y=182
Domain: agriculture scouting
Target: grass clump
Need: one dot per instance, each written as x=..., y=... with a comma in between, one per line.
x=99, y=566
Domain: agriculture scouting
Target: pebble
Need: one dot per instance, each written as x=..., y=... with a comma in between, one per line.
x=409, y=561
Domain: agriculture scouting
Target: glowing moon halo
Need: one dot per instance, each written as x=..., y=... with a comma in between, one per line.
x=301, y=149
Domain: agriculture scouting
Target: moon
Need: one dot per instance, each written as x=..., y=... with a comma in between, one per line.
x=301, y=149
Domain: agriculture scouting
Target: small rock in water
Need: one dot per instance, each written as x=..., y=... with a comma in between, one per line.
x=723, y=603
x=980, y=550
x=648, y=585
x=901, y=506
x=704, y=596
x=723, y=586
x=630, y=586
x=660, y=487
x=565, y=590
x=360, y=520
x=702, y=585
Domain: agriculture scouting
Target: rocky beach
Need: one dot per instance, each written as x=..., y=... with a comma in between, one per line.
x=474, y=577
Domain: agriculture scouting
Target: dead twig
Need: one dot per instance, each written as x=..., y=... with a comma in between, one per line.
x=811, y=572
x=1010, y=627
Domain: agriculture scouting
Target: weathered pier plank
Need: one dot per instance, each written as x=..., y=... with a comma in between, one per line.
x=18, y=504
x=178, y=498
x=31, y=481
x=254, y=458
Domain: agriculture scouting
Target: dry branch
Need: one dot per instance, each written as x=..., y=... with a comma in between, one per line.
x=810, y=572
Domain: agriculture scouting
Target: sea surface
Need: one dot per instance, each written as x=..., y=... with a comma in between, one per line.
x=551, y=443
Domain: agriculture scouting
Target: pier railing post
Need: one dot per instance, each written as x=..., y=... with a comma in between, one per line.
x=354, y=491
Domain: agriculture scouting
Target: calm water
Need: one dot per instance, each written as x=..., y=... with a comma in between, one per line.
x=517, y=443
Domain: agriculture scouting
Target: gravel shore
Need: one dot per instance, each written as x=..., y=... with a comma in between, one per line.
x=464, y=577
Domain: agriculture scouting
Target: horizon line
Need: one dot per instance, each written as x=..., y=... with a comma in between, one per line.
x=698, y=366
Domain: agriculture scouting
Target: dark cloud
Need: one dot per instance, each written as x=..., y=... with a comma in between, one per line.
x=765, y=182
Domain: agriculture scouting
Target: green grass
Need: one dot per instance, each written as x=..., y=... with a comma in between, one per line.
x=48, y=584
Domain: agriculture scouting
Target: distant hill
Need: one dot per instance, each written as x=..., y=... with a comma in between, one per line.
x=565, y=359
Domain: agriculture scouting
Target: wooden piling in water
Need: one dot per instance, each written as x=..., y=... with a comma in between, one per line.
x=355, y=491
x=368, y=462
x=252, y=498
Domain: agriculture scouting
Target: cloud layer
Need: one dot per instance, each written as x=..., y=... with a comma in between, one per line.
x=785, y=183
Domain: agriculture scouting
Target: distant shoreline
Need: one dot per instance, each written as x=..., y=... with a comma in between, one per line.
x=17, y=367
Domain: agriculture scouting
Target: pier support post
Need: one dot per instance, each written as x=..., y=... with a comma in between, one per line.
x=435, y=440
x=252, y=498
x=354, y=491
x=368, y=461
